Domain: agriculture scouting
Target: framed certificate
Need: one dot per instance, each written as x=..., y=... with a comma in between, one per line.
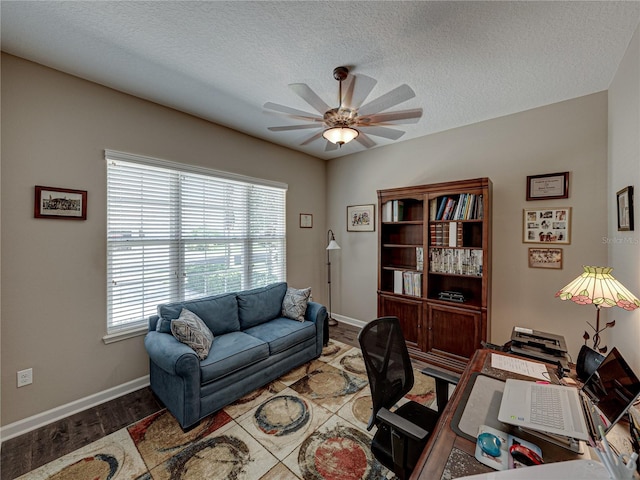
x=306, y=220
x=547, y=187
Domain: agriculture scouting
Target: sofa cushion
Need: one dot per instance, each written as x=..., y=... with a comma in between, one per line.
x=218, y=312
x=282, y=333
x=231, y=352
x=294, y=304
x=190, y=330
x=260, y=304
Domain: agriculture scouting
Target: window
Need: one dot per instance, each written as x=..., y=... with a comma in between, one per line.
x=176, y=232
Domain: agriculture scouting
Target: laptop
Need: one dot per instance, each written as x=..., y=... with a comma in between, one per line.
x=571, y=412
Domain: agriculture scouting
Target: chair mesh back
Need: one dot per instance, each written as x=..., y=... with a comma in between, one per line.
x=387, y=361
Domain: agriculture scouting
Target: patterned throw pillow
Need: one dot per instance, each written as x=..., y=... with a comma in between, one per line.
x=295, y=302
x=192, y=331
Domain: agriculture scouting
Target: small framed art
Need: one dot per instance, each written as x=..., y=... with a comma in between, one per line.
x=547, y=225
x=625, y=209
x=361, y=218
x=545, y=258
x=60, y=203
x=548, y=186
x=306, y=220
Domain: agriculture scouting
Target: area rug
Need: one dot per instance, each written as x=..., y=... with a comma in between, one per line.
x=309, y=424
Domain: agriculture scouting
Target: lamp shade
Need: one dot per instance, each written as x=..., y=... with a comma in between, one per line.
x=333, y=245
x=340, y=135
x=597, y=286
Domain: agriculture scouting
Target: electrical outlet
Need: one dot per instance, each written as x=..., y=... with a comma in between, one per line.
x=25, y=377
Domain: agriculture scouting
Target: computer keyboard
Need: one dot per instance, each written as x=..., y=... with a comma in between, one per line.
x=545, y=407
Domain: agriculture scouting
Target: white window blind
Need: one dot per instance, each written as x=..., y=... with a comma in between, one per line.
x=175, y=233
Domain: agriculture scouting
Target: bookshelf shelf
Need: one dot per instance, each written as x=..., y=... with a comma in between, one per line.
x=432, y=239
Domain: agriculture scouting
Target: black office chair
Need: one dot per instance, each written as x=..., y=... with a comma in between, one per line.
x=402, y=434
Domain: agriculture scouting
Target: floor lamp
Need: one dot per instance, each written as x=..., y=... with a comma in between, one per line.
x=333, y=245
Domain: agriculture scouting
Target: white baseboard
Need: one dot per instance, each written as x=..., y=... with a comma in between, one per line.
x=349, y=321
x=41, y=419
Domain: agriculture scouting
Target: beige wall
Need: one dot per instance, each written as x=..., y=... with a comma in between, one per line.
x=55, y=128
x=567, y=136
x=624, y=170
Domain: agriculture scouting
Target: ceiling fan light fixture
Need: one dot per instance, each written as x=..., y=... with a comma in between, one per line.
x=340, y=135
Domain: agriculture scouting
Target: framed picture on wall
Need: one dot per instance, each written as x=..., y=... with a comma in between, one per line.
x=625, y=209
x=306, y=220
x=60, y=203
x=361, y=218
x=547, y=225
x=543, y=257
x=548, y=186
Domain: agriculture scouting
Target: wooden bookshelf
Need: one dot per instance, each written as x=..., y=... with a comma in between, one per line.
x=432, y=239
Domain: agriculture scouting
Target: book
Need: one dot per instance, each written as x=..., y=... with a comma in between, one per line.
x=387, y=211
x=419, y=258
x=504, y=461
x=398, y=211
x=397, y=281
x=453, y=234
x=443, y=203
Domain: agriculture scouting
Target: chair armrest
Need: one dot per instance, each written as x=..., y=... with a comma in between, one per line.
x=443, y=380
x=448, y=377
x=173, y=357
x=316, y=312
x=402, y=425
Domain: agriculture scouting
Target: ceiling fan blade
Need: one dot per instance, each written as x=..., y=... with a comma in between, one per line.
x=312, y=138
x=388, y=100
x=309, y=96
x=292, y=111
x=329, y=147
x=365, y=140
x=284, y=128
x=400, y=116
x=356, y=89
x=385, y=132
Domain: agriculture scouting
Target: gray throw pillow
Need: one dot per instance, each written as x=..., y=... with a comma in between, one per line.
x=192, y=331
x=295, y=302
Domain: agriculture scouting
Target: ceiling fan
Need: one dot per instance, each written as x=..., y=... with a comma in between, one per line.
x=350, y=120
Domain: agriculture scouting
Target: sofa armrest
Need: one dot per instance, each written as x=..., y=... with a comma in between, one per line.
x=153, y=322
x=173, y=357
x=315, y=313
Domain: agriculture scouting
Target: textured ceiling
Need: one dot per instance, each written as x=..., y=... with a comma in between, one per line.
x=222, y=61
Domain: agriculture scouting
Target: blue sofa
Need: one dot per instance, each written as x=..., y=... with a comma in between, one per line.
x=253, y=345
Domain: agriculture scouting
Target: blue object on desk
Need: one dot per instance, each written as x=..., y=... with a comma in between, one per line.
x=490, y=444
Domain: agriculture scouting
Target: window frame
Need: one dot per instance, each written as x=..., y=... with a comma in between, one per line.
x=246, y=241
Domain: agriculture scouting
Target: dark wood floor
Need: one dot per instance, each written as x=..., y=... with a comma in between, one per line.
x=22, y=454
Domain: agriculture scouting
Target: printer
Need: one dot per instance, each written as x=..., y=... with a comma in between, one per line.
x=541, y=346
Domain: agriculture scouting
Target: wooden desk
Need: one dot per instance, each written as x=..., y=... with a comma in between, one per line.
x=449, y=455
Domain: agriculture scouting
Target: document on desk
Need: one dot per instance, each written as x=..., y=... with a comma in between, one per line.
x=520, y=366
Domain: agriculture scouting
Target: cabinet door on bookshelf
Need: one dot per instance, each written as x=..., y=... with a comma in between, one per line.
x=453, y=330
x=409, y=313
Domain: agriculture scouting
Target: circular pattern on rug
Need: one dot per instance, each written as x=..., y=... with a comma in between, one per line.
x=282, y=415
x=96, y=467
x=330, y=349
x=225, y=455
x=342, y=453
x=251, y=396
x=328, y=384
x=361, y=408
x=423, y=390
x=161, y=432
x=354, y=363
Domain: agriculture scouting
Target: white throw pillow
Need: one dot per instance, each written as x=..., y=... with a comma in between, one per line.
x=192, y=331
x=294, y=304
